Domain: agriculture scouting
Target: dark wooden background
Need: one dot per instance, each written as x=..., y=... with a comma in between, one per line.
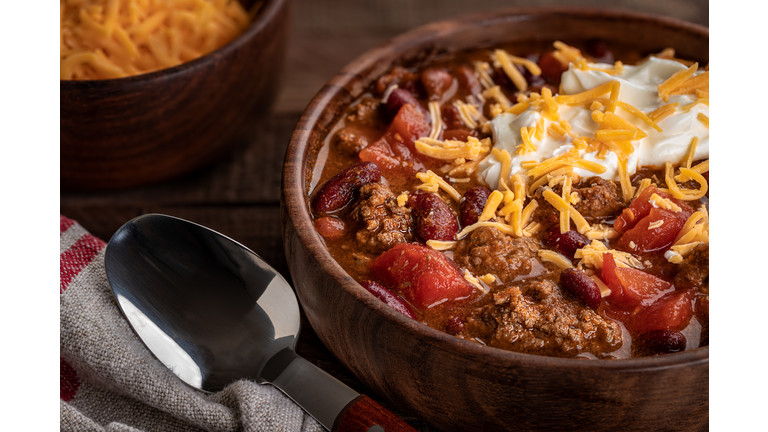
x=239, y=196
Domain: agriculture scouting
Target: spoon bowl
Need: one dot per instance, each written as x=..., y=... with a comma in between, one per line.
x=213, y=312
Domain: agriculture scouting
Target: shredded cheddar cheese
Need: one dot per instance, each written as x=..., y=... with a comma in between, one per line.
x=487, y=278
x=506, y=229
x=691, y=85
x=482, y=69
x=644, y=183
x=103, y=39
x=474, y=281
x=663, y=112
x=664, y=203
x=525, y=216
x=402, y=199
x=531, y=229
x=555, y=258
x=441, y=245
x=604, y=290
x=437, y=120
x=592, y=255
x=504, y=60
x=700, y=100
x=451, y=150
x=703, y=118
x=469, y=114
x=689, y=158
x=666, y=88
x=602, y=232
x=489, y=211
x=687, y=174
x=585, y=96
x=657, y=224
x=566, y=54
x=639, y=114
x=496, y=94
x=582, y=226
x=694, y=232
x=565, y=216
x=433, y=181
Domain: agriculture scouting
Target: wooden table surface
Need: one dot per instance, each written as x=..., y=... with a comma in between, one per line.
x=240, y=195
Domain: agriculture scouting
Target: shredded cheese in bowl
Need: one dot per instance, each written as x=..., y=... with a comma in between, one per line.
x=103, y=39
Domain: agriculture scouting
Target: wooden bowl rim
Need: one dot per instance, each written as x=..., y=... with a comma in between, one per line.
x=262, y=21
x=294, y=181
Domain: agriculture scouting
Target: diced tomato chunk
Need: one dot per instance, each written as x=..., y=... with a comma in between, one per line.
x=395, y=153
x=641, y=207
x=381, y=153
x=609, y=278
x=671, y=312
x=410, y=124
x=631, y=287
x=643, y=239
x=423, y=276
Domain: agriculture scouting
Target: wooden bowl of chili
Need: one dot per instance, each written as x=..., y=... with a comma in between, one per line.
x=136, y=130
x=449, y=382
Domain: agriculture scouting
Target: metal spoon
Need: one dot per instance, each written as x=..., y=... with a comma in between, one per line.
x=214, y=312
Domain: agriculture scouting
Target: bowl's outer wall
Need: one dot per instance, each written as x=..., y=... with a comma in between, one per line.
x=139, y=130
x=454, y=384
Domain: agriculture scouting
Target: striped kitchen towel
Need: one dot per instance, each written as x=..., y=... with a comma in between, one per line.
x=111, y=382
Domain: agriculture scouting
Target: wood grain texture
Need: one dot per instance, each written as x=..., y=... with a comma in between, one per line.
x=452, y=383
x=138, y=130
x=364, y=414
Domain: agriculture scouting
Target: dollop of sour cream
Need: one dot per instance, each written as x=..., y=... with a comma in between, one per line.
x=639, y=88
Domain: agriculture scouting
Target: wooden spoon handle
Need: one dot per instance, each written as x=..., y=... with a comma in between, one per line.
x=365, y=415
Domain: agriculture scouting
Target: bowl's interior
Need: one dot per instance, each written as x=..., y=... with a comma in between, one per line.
x=309, y=143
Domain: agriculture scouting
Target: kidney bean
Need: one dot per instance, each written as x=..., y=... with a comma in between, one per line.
x=535, y=82
x=451, y=117
x=436, y=81
x=599, y=51
x=389, y=298
x=434, y=219
x=581, y=286
x=415, y=87
x=468, y=80
x=472, y=203
x=340, y=189
x=551, y=68
x=661, y=341
x=565, y=243
x=400, y=97
x=458, y=134
x=331, y=228
x=500, y=77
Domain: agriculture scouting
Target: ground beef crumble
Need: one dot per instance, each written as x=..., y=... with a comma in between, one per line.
x=385, y=224
x=488, y=250
x=537, y=317
x=599, y=199
x=693, y=272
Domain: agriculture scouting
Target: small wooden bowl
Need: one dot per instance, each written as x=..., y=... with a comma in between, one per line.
x=451, y=383
x=137, y=130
